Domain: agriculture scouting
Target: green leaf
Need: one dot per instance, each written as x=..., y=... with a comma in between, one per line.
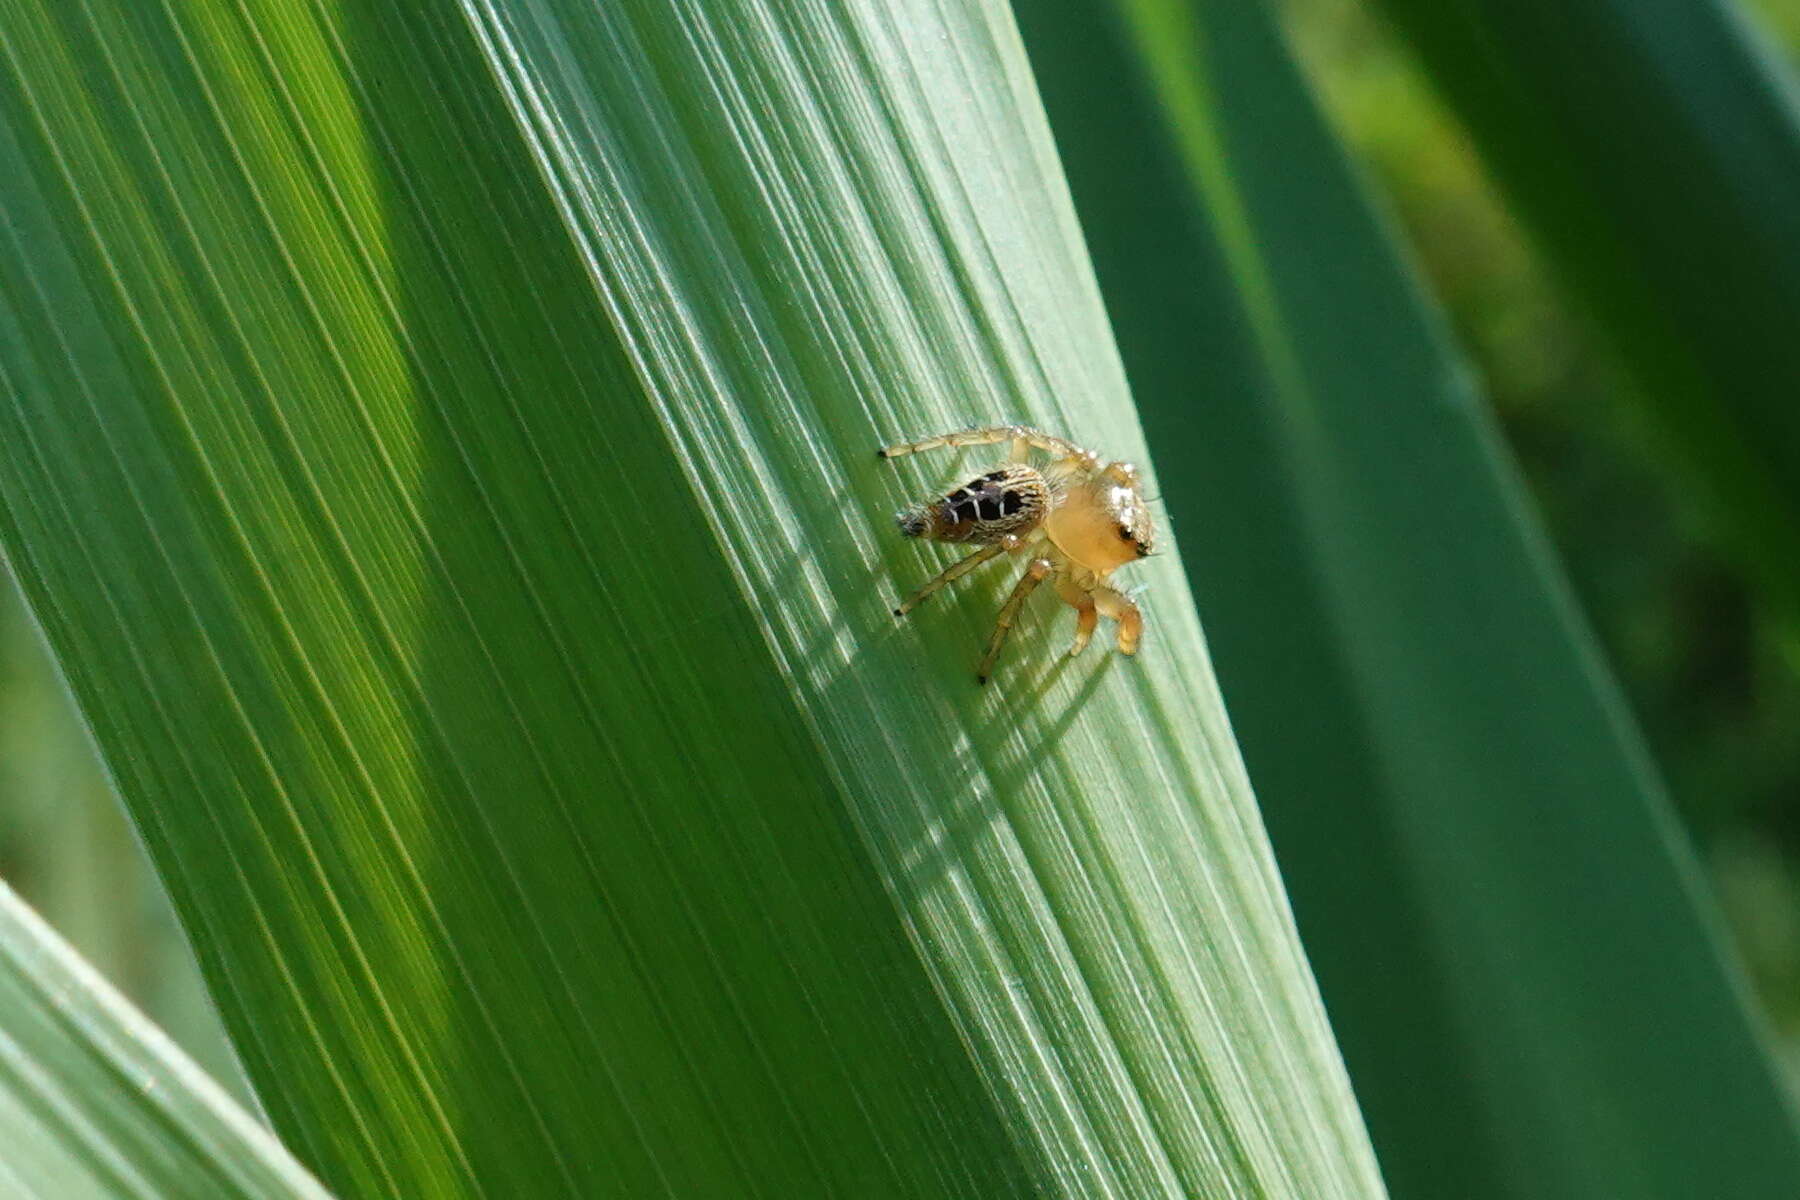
x=438, y=443
x=70, y=852
x=1654, y=147
x=96, y=1102
x=1508, y=930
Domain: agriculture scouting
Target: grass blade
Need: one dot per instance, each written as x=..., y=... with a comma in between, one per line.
x=96, y=1102
x=1509, y=932
x=438, y=444
x=1655, y=150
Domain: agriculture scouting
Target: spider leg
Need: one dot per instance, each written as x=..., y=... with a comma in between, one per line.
x=1122, y=609
x=1034, y=575
x=951, y=573
x=1121, y=472
x=1021, y=436
x=1069, y=467
x=1086, y=618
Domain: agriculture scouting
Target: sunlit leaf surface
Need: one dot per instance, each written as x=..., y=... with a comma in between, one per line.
x=96, y=1104
x=439, y=444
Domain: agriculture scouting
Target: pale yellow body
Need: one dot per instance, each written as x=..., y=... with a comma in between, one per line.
x=1084, y=525
x=1079, y=519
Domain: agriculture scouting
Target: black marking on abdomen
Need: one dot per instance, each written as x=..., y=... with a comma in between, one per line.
x=988, y=506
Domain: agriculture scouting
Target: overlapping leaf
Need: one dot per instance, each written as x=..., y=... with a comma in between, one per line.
x=1507, y=927
x=96, y=1102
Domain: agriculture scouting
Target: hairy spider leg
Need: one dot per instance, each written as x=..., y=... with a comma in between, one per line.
x=1021, y=437
x=1122, y=473
x=1064, y=469
x=1121, y=608
x=1087, y=617
x=951, y=574
x=1034, y=575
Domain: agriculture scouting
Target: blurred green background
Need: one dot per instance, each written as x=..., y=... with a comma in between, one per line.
x=1713, y=678
x=1712, y=675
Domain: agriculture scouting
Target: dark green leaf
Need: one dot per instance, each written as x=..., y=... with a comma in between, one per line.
x=1654, y=146
x=1523, y=974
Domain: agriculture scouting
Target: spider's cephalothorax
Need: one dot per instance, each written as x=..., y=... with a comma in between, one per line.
x=1078, y=518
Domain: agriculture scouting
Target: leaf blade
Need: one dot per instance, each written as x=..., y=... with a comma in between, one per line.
x=1654, y=151
x=1480, y=855
x=502, y=572
x=98, y=1102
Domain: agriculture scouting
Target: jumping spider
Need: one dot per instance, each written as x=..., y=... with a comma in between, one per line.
x=1080, y=518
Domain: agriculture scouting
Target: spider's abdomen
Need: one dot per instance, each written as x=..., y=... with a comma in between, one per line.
x=1009, y=499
